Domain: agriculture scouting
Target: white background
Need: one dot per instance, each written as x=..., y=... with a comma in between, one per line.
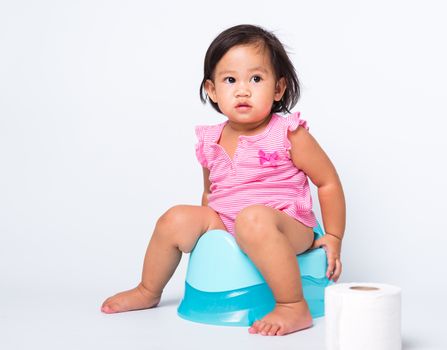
x=98, y=103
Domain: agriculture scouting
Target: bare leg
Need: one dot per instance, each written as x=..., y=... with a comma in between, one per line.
x=272, y=239
x=176, y=231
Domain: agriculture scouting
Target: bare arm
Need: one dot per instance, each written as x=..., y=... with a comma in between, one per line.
x=206, y=186
x=308, y=156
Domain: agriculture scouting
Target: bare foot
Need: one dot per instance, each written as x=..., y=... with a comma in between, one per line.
x=134, y=299
x=284, y=319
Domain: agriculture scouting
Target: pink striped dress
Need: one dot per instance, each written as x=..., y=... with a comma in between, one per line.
x=261, y=172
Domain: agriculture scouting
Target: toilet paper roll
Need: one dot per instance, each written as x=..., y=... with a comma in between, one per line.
x=363, y=316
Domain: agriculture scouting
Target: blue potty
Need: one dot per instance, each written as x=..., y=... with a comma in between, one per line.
x=223, y=286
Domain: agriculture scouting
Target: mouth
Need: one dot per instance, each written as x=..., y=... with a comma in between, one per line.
x=243, y=106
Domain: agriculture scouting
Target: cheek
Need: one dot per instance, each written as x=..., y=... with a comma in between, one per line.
x=267, y=96
x=224, y=100
x=223, y=92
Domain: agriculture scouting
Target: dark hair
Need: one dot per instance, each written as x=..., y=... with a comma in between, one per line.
x=249, y=34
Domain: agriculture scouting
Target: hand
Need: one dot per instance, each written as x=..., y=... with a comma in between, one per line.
x=332, y=246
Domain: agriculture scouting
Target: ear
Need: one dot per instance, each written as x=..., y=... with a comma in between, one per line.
x=280, y=88
x=210, y=90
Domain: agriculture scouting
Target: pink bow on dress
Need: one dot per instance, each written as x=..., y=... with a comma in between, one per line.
x=268, y=158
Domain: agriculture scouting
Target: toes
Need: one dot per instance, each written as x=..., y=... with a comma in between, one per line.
x=257, y=327
x=254, y=328
x=262, y=326
x=281, y=331
x=106, y=309
x=110, y=308
x=105, y=302
x=273, y=330
x=105, y=306
x=266, y=329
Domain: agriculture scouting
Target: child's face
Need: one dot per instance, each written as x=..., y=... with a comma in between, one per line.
x=244, y=84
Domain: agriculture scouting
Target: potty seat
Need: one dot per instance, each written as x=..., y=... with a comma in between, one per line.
x=224, y=287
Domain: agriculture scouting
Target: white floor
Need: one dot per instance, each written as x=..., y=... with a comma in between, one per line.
x=30, y=319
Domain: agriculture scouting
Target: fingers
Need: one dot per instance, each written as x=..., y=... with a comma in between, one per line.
x=330, y=267
x=317, y=243
x=334, y=269
x=337, y=271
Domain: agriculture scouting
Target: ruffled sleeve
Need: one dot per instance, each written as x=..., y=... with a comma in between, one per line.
x=292, y=122
x=200, y=152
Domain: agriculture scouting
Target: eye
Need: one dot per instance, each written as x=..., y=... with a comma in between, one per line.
x=256, y=78
x=229, y=80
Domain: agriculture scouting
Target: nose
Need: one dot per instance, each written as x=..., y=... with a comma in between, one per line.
x=242, y=90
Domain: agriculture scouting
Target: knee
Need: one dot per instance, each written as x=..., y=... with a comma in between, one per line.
x=174, y=228
x=253, y=225
x=170, y=223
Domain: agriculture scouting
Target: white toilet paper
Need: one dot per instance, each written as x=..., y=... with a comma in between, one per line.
x=363, y=316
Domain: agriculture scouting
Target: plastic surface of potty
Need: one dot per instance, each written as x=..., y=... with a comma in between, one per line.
x=223, y=286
